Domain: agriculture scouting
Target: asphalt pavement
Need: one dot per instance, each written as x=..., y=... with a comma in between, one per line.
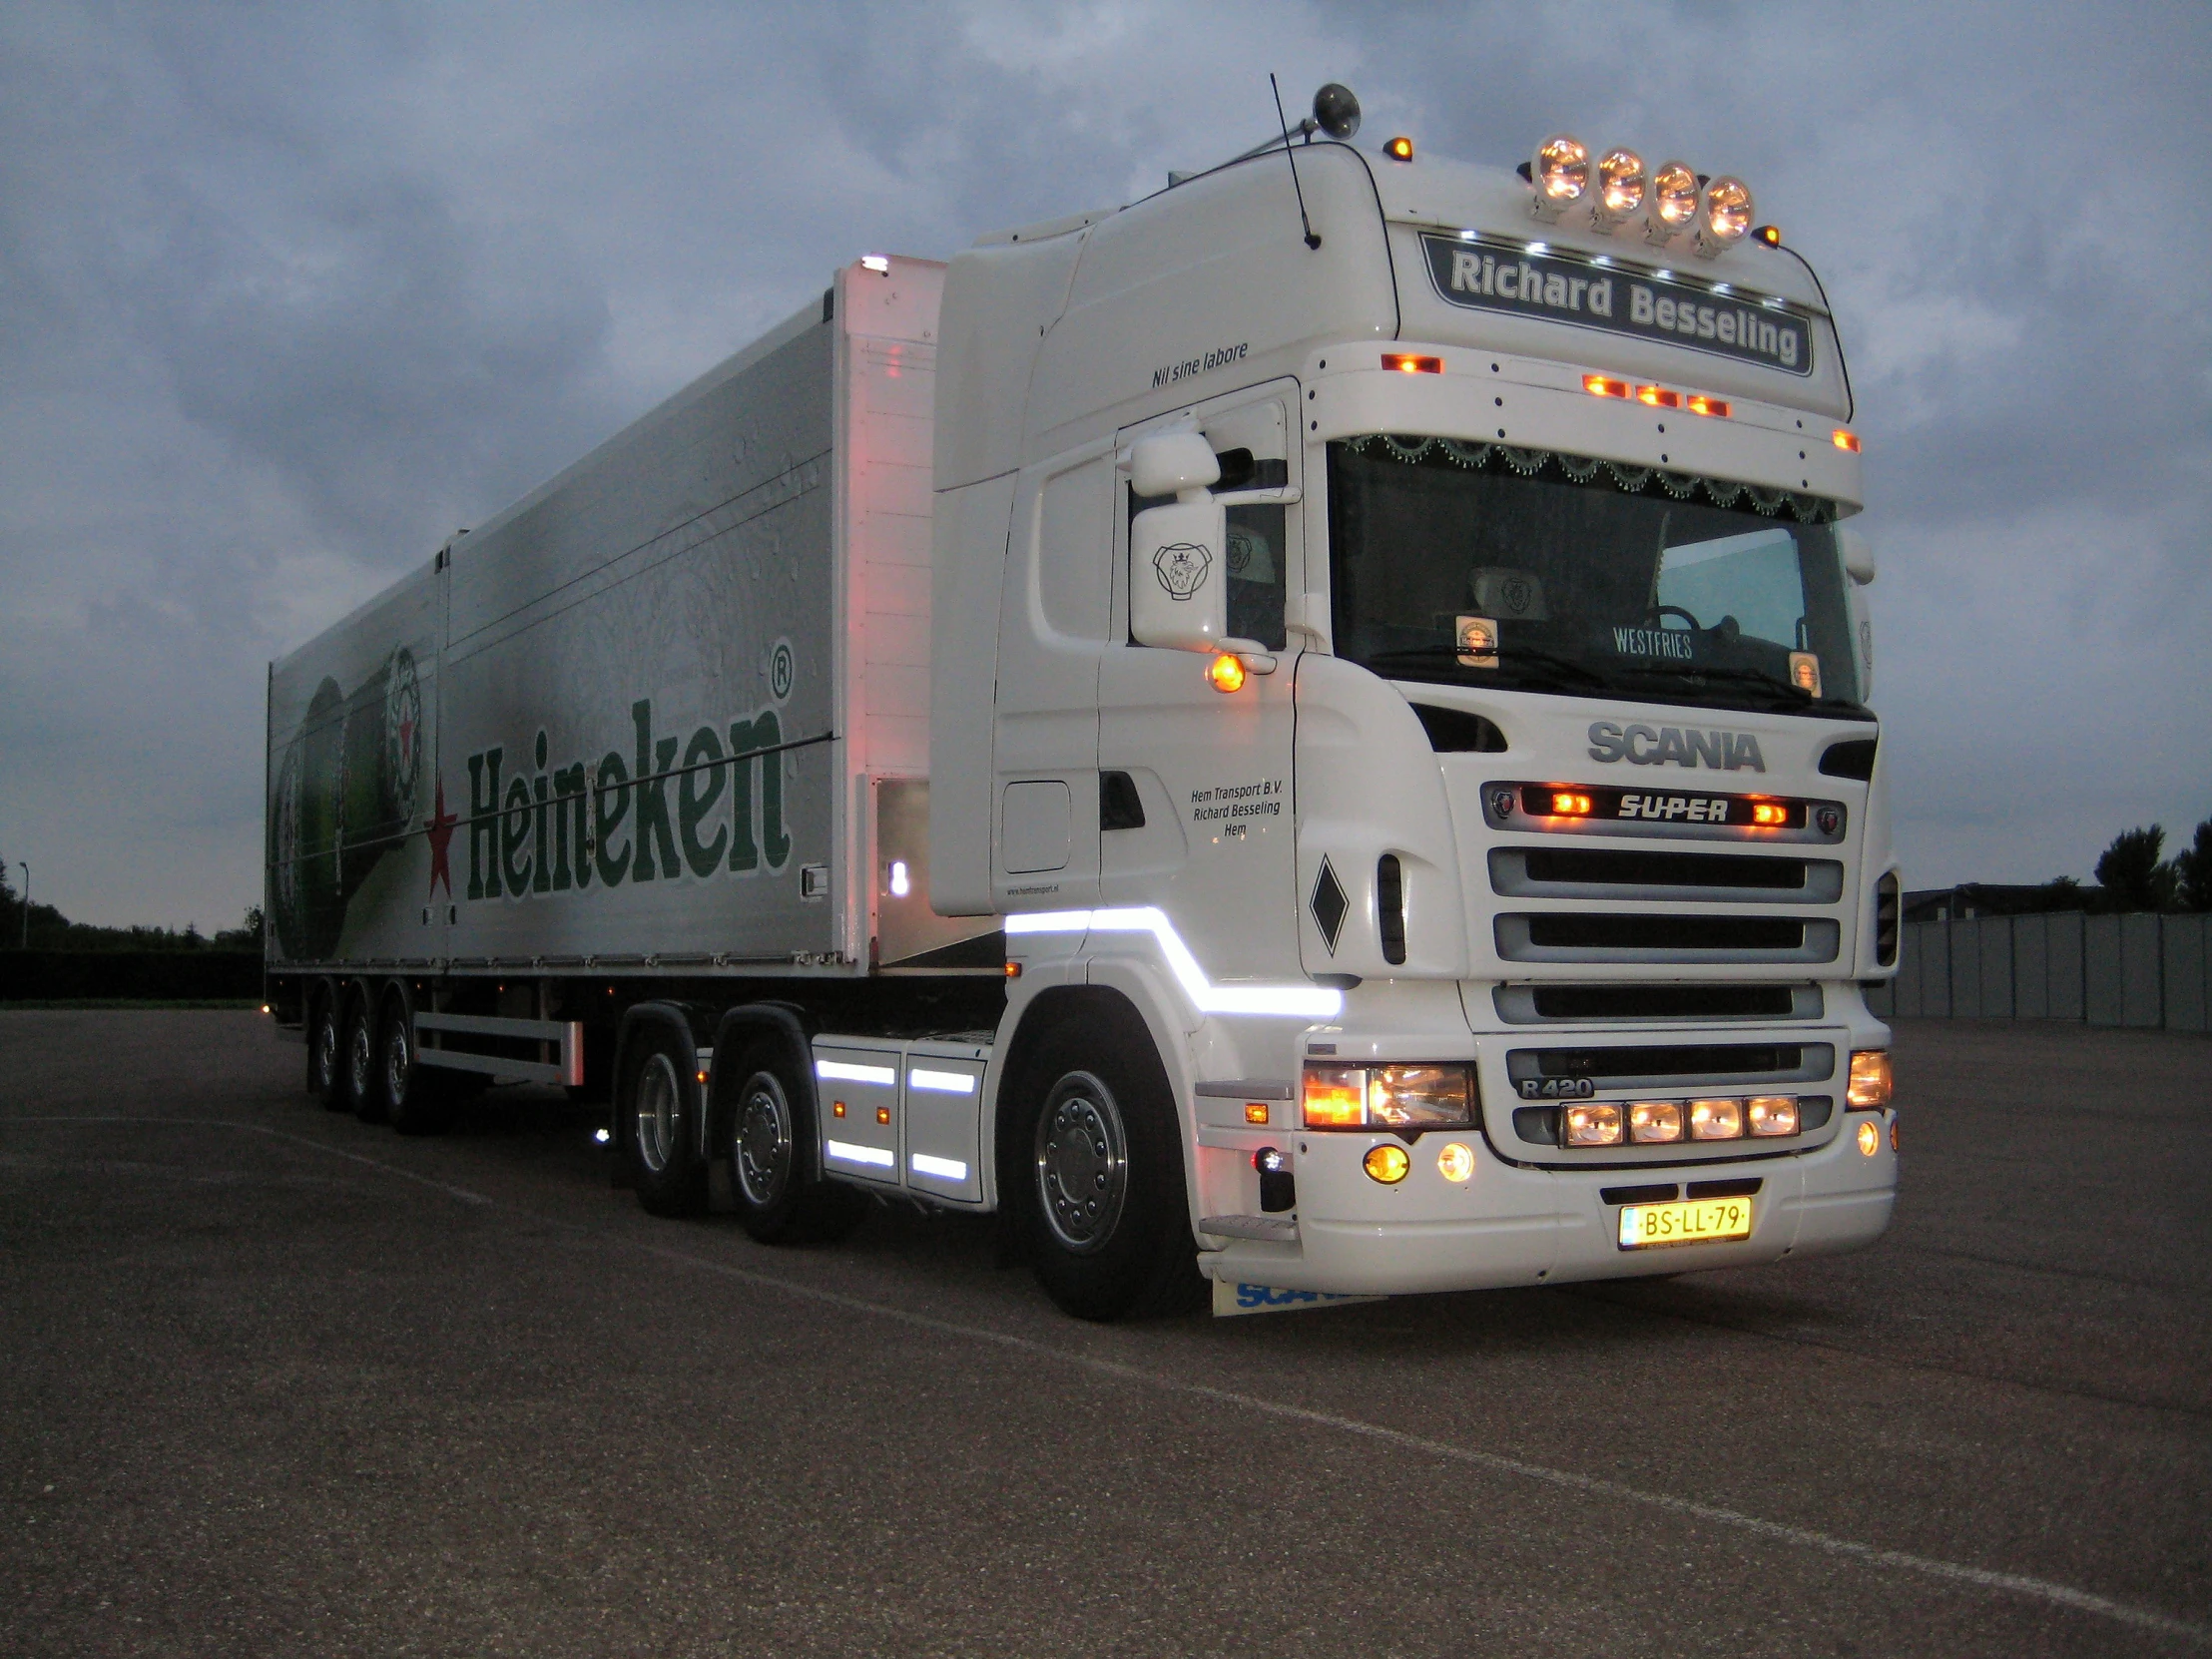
x=275, y=1381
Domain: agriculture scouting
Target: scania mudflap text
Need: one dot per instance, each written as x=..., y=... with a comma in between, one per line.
x=1313, y=727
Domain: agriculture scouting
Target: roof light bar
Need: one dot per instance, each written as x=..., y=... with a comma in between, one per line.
x=1698, y=403
x=1560, y=175
x=1407, y=362
x=1598, y=385
x=1844, y=440
x=1658, y=397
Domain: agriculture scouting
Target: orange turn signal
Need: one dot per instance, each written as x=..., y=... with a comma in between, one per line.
x=1408, y=364
x=1767, y=813
x=1846, y=441
x=1226, y=673
x=1399, y=150
x=1658, y=397
x=1256, y=1111
x=1598, y=385
x=1704, y=405
x=1565, y=805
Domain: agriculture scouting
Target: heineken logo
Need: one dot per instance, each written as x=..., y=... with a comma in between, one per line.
x=706, y=803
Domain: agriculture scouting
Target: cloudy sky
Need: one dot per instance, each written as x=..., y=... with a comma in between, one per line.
x=287, y=293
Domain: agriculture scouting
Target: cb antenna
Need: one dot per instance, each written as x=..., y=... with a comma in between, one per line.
x=1282, y=121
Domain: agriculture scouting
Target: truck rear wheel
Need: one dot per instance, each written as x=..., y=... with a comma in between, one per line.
x=358, y=1063
x=323, y=1041
x=417, y=1100
x=771, y=1143
x=656, y=1103
x=1110, y=1230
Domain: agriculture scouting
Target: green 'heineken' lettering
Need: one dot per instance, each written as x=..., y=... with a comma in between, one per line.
x=550, y=833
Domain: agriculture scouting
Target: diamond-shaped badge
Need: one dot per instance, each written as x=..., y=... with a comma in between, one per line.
x=1329, y=905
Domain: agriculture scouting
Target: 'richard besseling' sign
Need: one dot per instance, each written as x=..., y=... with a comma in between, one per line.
x=1495, y=277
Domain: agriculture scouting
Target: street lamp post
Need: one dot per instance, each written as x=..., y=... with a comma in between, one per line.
x=26, y=903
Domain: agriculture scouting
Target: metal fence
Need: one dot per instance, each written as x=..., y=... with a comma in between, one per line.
x=2145, y=971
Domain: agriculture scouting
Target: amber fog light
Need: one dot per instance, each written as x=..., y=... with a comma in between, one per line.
x=1387, y=1163
x=1870, y=1137
x=1871, y=1082
x=1596, y=1124
x=1653, y=1121
x=1715, y=1120
x=1770, y=1114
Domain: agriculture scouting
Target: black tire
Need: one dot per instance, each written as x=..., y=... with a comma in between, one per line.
x=769, y=1135
x=323, y=1042
x=1102, y=1159
x=657, y=1105
x=416, y=1098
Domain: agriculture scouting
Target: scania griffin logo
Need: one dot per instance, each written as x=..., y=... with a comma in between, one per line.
x=1182, y=568
x=1646, y=746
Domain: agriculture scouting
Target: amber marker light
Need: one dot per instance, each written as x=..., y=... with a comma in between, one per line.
x=1769, y=814
x=1658, y=397
x=1771, y=235
x=1455, y=1163
x=1013, y=971
x=1224, y=673
x=702, y=1077
x=1566, y=805
x=1335, y=1098
x=1844, y=440
x=1399, y=149
x=1870, y=1138
x=1872, y=1084
x=1387, y=1163
x=1598, y=385
x=1700, y=404
x=1405, y=363
x=1256, y=1111
x=837, y=1108
x=882, y=1114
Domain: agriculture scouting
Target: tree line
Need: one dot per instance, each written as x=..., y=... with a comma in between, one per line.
x=51, y=931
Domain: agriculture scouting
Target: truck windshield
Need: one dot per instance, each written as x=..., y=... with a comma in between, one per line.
x=1533, y=570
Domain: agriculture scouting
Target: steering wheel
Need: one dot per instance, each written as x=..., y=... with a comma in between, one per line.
x=1695, y=626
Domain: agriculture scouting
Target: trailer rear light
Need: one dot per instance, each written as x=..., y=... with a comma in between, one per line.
x=1405, y=363
x=1871, y=1082
x=1598, y=385
x=1655, y=1122
x=1402, y=1097
x=1771, y=1115
x=1387, y=1163
x=1715, y=1120
x=1658, y=397
x=1455, y=1163
x=1224, y=673
x=1699, y=403
x=1596, y=1124
x=1399, y=149
x=1844, y=440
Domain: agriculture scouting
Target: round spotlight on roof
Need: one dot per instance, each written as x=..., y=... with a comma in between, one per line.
x=1727, y=216
x=1670, y=204
x=1621, y=186
x=1336, y=111
x=1559, y=173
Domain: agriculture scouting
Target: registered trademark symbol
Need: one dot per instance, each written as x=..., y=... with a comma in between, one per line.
x=779, y=670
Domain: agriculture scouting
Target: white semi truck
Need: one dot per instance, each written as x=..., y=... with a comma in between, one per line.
x=1308, y=732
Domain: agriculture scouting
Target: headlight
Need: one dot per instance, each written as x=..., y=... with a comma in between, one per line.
x=1871, y=1084
x=1560, y=174
x=1596, y=1124
x=1655, y=1121
x=1771, y=1115
x=1673, y=201
x=1391, y=1097
x=1715, y=1120
x=1727, y=215
x=1621, y=185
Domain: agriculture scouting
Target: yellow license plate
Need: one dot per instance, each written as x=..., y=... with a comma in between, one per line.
x=1646, y=1225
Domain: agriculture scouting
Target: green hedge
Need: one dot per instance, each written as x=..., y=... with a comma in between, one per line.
x=136, y=975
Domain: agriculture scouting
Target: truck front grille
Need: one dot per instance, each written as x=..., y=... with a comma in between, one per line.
x=1582, y=1004
x=1653, y=874
x=1539, y=1072
x=1572, y=936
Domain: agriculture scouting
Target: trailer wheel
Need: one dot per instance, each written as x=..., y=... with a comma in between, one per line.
x=1109, y=1220
x=771, y=1148
x=417, y=1100
x=657, y=1103
x=323, y=1049
x=357, y=1077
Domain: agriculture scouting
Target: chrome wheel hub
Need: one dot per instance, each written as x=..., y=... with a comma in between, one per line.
x=360, y=1062
x=399, y=1058
x=1082, y=1163
x=762, y=1142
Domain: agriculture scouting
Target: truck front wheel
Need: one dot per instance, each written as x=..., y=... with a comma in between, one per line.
x=1110, y=1226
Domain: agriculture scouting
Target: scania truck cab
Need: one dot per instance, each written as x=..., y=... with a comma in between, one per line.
x=1427, y=675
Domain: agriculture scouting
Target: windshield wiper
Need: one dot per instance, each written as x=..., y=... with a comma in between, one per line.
x=1511, y=656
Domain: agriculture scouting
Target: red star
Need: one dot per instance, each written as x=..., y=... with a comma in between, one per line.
x=439, y=827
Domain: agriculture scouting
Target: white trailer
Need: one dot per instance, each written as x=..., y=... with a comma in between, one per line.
x=1176, y=729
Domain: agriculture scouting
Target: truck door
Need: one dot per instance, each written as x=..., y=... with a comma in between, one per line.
x=1196, y=782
